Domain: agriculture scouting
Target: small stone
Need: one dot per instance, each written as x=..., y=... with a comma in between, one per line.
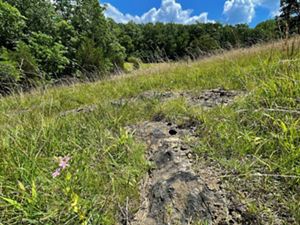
x=213, y=186
x=190, y=155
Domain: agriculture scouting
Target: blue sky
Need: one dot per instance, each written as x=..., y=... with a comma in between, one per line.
x=191, y=11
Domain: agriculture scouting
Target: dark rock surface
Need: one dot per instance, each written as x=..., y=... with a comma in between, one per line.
x=85, y=109
x=183, y=188
x=212, y=98
x=173, y=193
x=205, y=99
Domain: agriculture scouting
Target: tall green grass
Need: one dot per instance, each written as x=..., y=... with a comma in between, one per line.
x=107, y=163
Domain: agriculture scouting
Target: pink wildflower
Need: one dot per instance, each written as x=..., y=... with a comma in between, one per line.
x=56, y=173
x=63, y=163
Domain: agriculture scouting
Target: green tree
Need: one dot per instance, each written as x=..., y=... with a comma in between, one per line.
x=64, y=8
x=289, y=18
x=130, y=36
x=49, y=54
x=229, y=37
x=91, y=58
x=11, y=25
x=90, y=23
x=27, y=65
x=245, y=35
x=267, y=30
x=40, y=15
x=203, y=45
x=70, y=39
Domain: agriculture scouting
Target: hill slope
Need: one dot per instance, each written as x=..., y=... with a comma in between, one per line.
x=90, y=135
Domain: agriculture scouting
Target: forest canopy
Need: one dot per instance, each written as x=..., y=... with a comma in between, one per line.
x=42, y=41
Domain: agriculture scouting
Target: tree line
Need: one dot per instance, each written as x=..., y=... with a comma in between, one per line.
x=42, y=41
x=155, y=42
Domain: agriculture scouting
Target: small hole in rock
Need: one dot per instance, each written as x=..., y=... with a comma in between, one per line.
x=172, y=132
x=168, y=156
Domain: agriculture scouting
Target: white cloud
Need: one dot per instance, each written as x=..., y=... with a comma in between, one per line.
x=239, y=11
x=272, y=5
x=169, y=11
x=243, y=11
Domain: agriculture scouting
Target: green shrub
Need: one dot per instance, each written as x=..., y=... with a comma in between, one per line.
x=117, y=55
x=9, y=74
x=91, y=58
x=27, y=64
x=135, y=61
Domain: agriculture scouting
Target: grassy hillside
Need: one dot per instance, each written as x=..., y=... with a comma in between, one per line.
x=256, y=139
